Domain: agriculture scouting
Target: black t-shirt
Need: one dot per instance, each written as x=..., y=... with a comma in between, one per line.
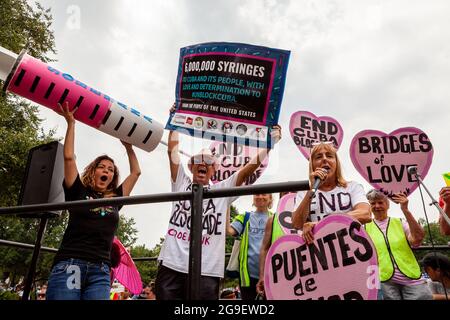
x=90, y=232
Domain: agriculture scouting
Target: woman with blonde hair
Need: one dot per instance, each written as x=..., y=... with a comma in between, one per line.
x=81, y=268
x=250, y=226
x=335, y=195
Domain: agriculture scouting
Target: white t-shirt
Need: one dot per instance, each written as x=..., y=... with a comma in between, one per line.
x=338, y=200
x=175, y=249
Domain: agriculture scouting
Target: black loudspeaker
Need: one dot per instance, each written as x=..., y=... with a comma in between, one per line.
x=44, y=175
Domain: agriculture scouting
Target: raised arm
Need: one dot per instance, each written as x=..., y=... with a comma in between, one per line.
x=300, y=215
x=417, y=233
x=135, y=170
x=70, y=166
x=230, y=230
x=172, y=152
x=254, y=163
x=361, y=212
x=265, y=246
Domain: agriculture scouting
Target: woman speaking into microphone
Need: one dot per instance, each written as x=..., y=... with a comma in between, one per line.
x=330, y=193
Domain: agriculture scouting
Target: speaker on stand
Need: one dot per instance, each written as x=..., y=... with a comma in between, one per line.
x=42, y=183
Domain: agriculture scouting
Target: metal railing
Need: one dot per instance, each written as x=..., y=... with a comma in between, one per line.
x=196, y=197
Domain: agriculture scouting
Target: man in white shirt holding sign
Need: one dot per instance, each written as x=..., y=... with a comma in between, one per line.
x=172, y=277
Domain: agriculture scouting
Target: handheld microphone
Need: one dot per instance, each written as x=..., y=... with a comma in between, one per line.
x=316, y=184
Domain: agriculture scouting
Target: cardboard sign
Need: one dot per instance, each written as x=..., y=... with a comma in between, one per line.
x=286, y=206
x=307, y=130
x=341, y=264
x=229, y=92
x=43, y=84
x=232, y=157
x=383, y=159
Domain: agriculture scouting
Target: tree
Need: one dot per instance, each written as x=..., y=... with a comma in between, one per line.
x=20, y=128
x=147, y=269
x=436, y=237
x=126, y=232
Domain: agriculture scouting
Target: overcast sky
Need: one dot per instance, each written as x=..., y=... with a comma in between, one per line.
x=369, y=64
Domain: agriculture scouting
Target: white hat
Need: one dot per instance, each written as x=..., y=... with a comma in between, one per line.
x=205, y=155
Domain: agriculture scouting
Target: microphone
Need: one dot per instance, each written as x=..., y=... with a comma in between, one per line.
x=412, y=170
x=316, y=184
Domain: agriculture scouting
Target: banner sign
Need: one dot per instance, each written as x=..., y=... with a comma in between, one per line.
x=229, y=92
x=286, y=207
x=383, y=159
x=341, y=264
x=231, y=157
x=307, y=129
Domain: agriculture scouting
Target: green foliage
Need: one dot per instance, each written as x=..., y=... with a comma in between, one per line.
x=8, y=295
x=20, y=131
x=126, y=232
x=20, y=26
x=147, y=269
x=436, y=237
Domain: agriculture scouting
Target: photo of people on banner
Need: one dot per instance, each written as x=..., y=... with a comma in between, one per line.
x=229, y=92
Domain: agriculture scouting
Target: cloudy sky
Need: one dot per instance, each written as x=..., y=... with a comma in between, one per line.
x=369, y=64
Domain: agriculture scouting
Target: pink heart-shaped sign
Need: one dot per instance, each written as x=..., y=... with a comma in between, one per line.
x=307, y=129
x=232, y=157
x=383, y=159
x=286, y=206
x=341, y=264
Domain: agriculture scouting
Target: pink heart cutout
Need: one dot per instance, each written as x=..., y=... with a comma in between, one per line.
x=357, y=278
x=307, y=129
x=232, y=157
x=375, y=156
x=286, y=206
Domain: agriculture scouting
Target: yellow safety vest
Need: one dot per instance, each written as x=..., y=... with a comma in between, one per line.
x=393, y=249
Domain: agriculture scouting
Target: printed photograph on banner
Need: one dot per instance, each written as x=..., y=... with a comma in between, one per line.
x=383, y=159
x=340, y=264
x=307, y=130
x=235, y=89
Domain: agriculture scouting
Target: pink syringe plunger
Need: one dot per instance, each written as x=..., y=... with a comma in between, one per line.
x=34, y=80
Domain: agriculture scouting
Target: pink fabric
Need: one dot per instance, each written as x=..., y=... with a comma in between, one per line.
x=398, y=277
x=126, y=272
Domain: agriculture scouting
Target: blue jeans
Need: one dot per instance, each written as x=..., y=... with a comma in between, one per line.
x=75, y=279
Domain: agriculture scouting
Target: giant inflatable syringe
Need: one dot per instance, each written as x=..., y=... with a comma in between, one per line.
x=40, y=83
